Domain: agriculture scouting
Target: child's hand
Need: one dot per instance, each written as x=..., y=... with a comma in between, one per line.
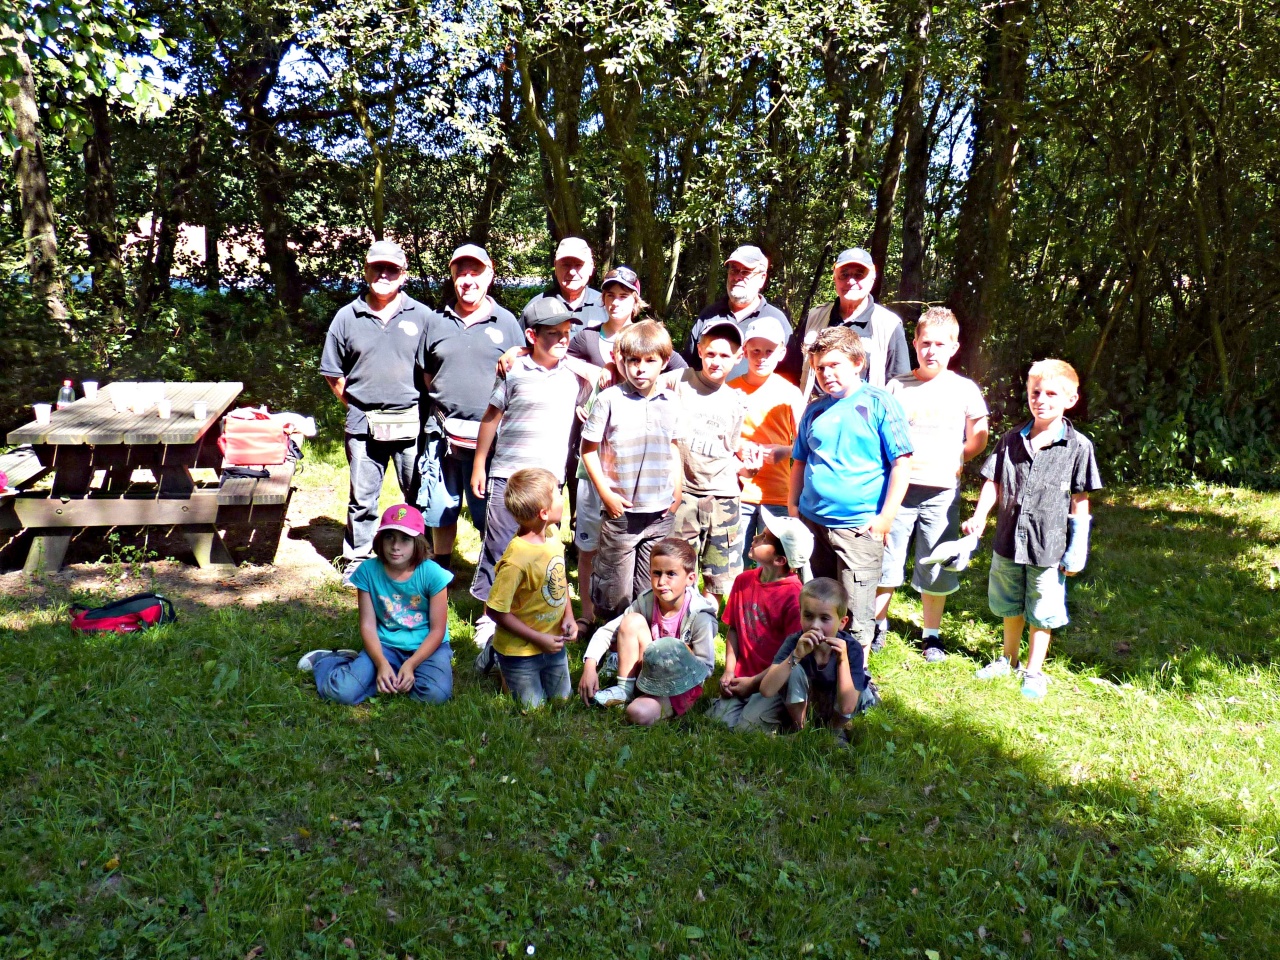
x=549, y=644
x=388, y=681
x=569, y=630
x=726, y=685
x=607, y=373
x=739, y=687
x=478, y=480
x=589, y=685
x=807, y=642
x=614, y=505
x=973, y=525
x=839, y=648
x=405, y=678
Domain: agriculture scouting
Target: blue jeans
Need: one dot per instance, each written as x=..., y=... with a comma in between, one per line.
x=367, y=459
x=349, y=682
x=536, y=679
x=446, y=482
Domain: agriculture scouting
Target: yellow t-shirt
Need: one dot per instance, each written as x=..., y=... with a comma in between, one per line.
x=774, y=410
x=530, y=582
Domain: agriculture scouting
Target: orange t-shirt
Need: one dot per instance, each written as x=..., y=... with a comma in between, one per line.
x=773, y=413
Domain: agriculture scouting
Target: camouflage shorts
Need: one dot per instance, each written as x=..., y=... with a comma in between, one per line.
x=711, y=525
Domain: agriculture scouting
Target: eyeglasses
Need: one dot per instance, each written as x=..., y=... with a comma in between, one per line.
x=389, y=270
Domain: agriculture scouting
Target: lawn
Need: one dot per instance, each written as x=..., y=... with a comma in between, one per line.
x=185, y=793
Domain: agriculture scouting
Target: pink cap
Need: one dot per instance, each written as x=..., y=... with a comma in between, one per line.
x=404, y=518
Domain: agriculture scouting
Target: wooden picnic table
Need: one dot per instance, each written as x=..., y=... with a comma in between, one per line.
x=89, y=440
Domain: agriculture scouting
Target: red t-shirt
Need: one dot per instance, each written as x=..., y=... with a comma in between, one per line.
x=763, y=615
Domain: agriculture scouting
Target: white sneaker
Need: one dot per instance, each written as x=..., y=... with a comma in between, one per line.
x=619, y=695
x=999, y=667
x=309, y=660
x=610, y=666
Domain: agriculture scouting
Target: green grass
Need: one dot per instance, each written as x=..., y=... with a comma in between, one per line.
x=185, y=793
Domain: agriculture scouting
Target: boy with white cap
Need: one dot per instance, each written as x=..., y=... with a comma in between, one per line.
x=774, y=408
x=763, y=610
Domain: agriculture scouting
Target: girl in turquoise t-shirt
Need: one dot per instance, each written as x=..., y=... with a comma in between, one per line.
x=404, y=621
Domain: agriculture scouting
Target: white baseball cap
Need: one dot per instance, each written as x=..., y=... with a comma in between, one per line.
x=574, y=247
x=768, y=328
x=795, y=537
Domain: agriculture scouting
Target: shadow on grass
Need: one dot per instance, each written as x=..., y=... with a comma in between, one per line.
x=185, y=791
x=324, y=534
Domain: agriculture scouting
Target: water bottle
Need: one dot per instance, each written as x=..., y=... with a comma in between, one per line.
x=67, y=395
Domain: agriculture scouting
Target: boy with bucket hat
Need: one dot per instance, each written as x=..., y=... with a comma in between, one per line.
x=763, y=610
x=655, y=680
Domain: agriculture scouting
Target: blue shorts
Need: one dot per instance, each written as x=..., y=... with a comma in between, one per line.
x=1018, y=590
x=446, y=480
x=928, y=516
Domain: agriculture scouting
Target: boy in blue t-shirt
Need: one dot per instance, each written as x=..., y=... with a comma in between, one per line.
x=851, y=466
x=404, y=621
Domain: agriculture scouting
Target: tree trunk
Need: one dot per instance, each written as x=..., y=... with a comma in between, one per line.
x=904, y=119
x=986, y=212
x=498, y=176
x=558, y=146
x=911, y=286
x=281, y=260
x=101, y=228
x=212, y=264
x=35, y=202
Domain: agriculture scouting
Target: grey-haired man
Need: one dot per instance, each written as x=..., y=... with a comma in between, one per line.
x=368, y=361
x=746, y=272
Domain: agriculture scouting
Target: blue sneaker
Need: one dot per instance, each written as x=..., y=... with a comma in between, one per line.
x=1035, y=686
x=999, y=667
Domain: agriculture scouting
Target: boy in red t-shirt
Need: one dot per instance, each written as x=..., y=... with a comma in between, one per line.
x=763, y=609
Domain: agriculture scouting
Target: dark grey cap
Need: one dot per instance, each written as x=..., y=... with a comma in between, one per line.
x=547, y=312
x=726, y=328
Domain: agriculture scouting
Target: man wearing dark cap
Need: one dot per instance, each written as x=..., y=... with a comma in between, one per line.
x=746, y=271
x=854, y=307
x=368, y=362
x=573, y=267
x=457, y=356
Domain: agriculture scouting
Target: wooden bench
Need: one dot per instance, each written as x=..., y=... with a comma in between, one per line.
x=252, y=511
x=22, y=466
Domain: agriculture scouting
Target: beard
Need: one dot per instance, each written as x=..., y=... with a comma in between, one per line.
x=385, y=288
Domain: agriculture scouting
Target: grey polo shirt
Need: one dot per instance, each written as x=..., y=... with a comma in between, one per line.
x=462, y=361
x=587, y=314
x=1035, y=492
x=376, y=358
x=720, y=310
x=635, y=434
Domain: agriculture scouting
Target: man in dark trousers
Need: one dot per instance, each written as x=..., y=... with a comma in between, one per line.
x=368, y=360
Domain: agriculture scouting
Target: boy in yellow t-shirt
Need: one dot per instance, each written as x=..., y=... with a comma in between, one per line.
x=774, y=408
x=529, y=600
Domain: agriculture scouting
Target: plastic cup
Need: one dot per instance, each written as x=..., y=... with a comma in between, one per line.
x=42, y=411
x=163, y=408
x=90, y=389
x=200, y=410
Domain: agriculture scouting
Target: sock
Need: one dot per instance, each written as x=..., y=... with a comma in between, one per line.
x=882, y=623
x=445, y=560
x=931, y=633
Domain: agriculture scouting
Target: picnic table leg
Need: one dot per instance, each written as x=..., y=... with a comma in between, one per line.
x=208, y=547
x=73, y=477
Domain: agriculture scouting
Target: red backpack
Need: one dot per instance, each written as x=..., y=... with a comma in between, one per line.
x=124, y=616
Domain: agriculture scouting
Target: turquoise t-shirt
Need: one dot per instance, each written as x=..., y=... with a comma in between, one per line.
x=403, y=608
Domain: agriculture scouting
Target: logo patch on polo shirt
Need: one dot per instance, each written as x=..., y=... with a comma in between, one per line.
x=495, y=335
x=409, y=327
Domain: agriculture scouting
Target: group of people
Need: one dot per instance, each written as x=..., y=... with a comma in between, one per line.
x=767, y=479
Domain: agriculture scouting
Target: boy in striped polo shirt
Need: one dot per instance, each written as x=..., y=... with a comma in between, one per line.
x=850, y=467
x=527, y=424
x=630, y=455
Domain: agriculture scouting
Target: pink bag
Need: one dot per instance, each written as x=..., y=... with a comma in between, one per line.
x=251, y=438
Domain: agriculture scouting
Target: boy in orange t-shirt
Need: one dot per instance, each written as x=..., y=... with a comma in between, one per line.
x=774, y=407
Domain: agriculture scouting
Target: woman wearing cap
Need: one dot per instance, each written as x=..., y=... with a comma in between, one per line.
x=623, y=304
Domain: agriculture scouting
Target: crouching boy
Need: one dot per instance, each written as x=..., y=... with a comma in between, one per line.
x=822, y=666
x=1038, y=478
x=763, y=610
x=672, y=608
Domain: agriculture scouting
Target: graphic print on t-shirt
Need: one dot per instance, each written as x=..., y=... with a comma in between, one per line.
x=406, y=611
x=555, y=585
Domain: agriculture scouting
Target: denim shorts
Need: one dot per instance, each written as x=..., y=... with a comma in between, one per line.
x=441, y=501
x=1038, y=593
x=536, y=679
x=928, y=516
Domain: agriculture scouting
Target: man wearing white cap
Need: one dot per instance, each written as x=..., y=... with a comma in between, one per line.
x=746, y=271
x=774, y=408
x=573, y=266
x=854, y=307
x=368, y=361
x=457, y=356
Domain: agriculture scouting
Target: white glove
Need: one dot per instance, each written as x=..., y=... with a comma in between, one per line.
x=955, y=554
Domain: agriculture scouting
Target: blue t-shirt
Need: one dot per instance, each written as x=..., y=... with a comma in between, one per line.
x=403, y=608
x=848, y=447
